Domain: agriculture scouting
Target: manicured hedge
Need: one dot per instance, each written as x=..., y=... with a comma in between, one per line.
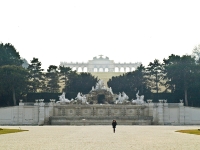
x=31, y=97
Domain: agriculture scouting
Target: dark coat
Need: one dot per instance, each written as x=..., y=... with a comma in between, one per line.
x=114, y=123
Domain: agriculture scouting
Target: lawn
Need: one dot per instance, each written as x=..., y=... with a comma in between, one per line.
x=191, y=131
x=5, y=131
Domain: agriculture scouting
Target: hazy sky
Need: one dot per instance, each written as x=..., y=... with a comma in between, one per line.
x=78, y=30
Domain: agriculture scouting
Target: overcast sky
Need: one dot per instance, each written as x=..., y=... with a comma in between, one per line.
x=78, y=30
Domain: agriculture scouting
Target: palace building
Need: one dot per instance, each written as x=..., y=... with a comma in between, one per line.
x=102, y=67
x=101, y=64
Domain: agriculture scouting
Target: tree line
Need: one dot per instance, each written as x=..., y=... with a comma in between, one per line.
x=16, y=80
x=180, y=75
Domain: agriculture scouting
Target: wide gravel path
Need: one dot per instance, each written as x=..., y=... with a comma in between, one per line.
x=100, y=138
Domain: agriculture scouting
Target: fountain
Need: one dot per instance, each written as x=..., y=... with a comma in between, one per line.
x=99, y=107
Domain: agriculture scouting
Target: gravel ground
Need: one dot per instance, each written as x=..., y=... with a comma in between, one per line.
x=100, y=138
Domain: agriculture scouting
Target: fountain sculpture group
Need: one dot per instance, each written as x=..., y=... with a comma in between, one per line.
x=100, y=106
x=101, y=89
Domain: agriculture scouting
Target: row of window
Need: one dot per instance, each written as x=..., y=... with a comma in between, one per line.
x=122, y=69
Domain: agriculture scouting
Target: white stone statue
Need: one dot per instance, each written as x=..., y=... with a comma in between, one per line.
x=92, y=88
x=122, y=98
x=63, y=99
x=110, y=89
x=100, y=85
x=97, y=86
x=78, y=96
x=125, y=97
x=139, y=100
x=119, y=98
x=82, y=98
x=137, y=95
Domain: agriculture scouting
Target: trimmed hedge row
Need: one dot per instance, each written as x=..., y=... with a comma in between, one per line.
x=31, y=97
x=171, y=97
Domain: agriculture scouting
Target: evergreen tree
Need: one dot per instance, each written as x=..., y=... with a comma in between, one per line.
x=182, y=74
x=13, y=79
x=82, y=82
x=9, y=55
x=155, y=75
x=196, y=53
x=52, y=76
x=64, y=73
x=36, y=75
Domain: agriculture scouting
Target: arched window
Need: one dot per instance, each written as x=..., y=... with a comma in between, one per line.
x=100, y=69
x=132, y=69
x=85, y=69
x=79, y=69
x=106, y=69
x=116, y=69
x=122, y=69
x=95, y=69
x=127, y=69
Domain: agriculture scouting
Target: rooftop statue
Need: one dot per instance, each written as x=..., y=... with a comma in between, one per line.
x=100, y=56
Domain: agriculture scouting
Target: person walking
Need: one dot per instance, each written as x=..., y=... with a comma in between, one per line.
x=114, y=124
